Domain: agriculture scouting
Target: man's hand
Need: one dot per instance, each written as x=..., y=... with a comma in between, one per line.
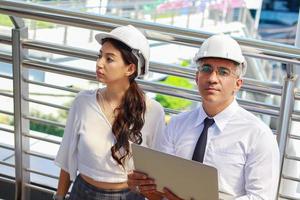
x=170, y=195
x=140, y=182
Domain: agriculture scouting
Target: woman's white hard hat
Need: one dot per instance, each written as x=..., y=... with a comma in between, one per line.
x=222, y=46
x=134, y=39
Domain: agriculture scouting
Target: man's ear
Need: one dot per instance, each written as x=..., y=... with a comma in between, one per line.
x=239, y=83
x=131, y=68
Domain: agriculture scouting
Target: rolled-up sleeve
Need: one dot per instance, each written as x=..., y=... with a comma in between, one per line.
x=164, y=139
x=262, y=170
x=66, y=157
x=160, y=127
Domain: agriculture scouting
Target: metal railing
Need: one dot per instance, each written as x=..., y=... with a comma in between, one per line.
x=22, y=61
x=136, y=10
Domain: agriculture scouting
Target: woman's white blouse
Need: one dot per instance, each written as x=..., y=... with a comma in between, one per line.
x=88, y=138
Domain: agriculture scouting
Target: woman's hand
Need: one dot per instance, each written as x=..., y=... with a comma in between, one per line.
x=140, y=182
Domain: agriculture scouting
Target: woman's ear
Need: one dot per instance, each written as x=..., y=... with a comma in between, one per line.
x=131, y=68
x=196, y=77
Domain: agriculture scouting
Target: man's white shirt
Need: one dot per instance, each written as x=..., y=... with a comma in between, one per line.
x=241, y=147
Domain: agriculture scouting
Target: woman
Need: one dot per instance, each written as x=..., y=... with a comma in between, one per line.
x=103, y=122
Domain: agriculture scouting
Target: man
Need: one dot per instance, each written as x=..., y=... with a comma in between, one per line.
x=220, y=133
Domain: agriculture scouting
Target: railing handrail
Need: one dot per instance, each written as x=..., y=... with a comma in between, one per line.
x=167, y=33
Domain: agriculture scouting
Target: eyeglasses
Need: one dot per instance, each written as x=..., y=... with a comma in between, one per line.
x=221, y=71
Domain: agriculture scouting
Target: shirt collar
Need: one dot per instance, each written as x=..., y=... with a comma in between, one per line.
x=201, y=116
x=222, y=118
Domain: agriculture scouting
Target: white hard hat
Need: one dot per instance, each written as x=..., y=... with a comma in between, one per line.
x=222, y=46
x=134, y=39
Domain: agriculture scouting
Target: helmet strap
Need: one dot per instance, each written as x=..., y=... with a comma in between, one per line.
x=141, y=61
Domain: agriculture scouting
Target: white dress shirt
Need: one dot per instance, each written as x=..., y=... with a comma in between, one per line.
x=241, y=147
x=88, y=138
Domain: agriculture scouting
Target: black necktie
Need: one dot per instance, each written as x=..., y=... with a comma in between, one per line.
x=201, y=143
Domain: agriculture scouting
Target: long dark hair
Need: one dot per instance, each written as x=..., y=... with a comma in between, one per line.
x=131, y=112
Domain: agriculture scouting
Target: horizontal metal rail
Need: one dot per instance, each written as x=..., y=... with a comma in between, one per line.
x=260, y=89
x=43, y=121
x=6, y=179
x=297, y=94
x=171, y=111
x=170, y=90
x=286, y=59
x=60, y=69
x=287, y=197
x=5, y=58
x=60, y=49
x=46, y=103
x=266, y=84
x=296, y=112
x=7, y=130
x=39, y=155
x=295, y=117
x=257, y=104
x=291, y=178
x=39, y=188
x=7, y=147
x=40, y=173
x=7, y=164
x=260, y=110
x=296, y=137
x=6, y=77
x=296, y=158
x=5, y=39
x=51, y=86
x=6, y=112
x=171, y=69
x=6, y=95
x=41, y=138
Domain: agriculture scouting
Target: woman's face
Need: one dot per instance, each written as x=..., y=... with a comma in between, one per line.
x=110, y=66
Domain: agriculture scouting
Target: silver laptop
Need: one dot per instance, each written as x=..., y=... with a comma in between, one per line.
x=186, y=178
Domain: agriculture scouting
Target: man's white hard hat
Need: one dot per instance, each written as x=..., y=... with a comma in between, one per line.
x=134, y=39
x=222, y=46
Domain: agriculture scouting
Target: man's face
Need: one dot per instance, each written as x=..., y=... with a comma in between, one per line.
x=218, y=81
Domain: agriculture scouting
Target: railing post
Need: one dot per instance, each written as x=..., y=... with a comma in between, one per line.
x=284, y=120
x=65, y=35
x=20, y=107
x=297, y=44
x=290, y=166
x=257, y=16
